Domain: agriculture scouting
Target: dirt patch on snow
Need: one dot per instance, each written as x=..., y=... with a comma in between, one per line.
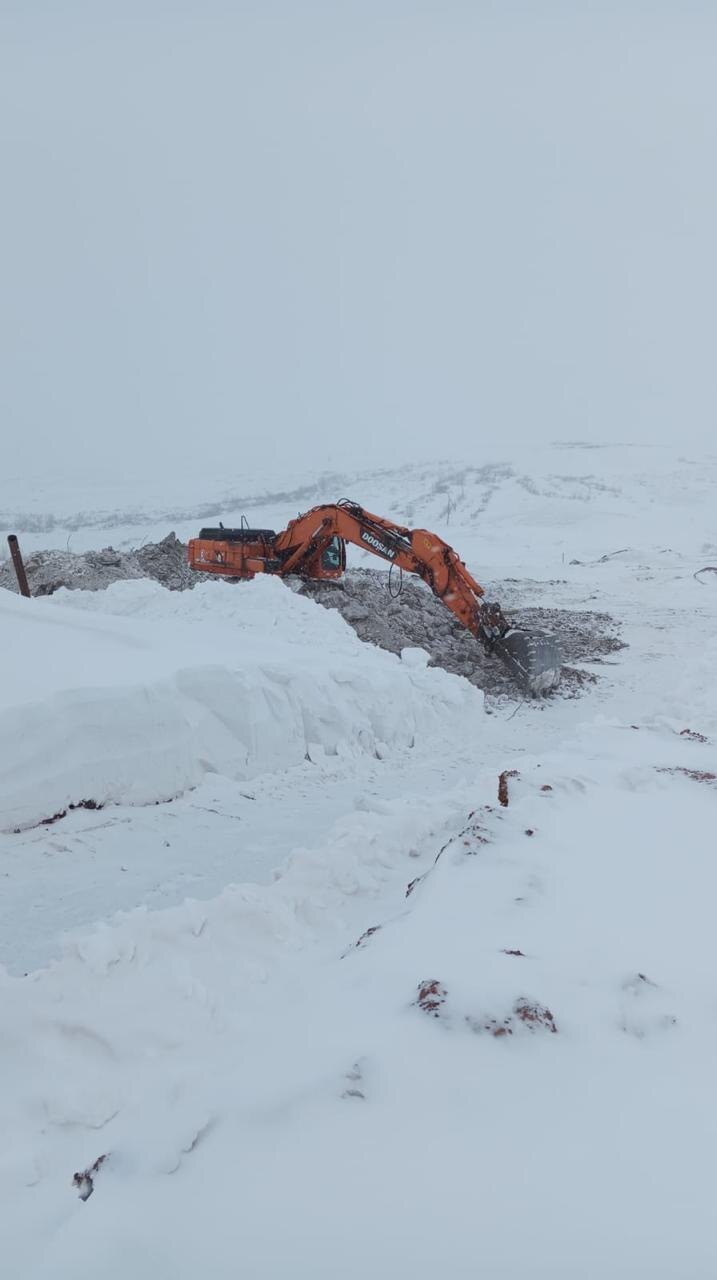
x=534, y=1016
x=431, y=996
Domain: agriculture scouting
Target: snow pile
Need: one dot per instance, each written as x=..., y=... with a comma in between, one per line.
x=135, y=694
x=47, y=571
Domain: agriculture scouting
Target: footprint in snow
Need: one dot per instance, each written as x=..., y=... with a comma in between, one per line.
x=643, y=1007
x=534, y=887
x=354, y=1078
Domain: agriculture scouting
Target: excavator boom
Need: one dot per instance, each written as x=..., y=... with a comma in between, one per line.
x=314, y=546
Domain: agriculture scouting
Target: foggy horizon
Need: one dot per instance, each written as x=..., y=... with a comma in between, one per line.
x=326, y=235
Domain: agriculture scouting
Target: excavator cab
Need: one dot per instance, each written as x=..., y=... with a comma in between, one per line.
x=333, y=559
x=326, y=560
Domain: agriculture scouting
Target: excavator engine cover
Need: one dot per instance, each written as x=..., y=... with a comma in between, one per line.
x=237, y=535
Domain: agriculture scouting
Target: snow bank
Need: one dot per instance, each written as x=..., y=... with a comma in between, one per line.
x=136, y=693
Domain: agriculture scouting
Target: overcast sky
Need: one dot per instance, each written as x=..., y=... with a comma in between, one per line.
x=353, y=229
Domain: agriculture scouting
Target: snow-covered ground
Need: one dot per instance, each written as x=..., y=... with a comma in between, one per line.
x=239, y=721
x=512, y=1075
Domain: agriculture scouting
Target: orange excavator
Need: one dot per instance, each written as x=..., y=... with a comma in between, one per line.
x=314, y=546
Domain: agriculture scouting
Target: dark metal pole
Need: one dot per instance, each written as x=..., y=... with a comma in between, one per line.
x=16, y=554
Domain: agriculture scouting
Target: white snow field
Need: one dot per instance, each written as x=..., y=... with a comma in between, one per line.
x=325, y=1005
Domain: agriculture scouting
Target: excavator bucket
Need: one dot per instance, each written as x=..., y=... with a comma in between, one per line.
x=533, y=657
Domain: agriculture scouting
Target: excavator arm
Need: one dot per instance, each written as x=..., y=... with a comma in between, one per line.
x=312, y=546
x=414, y=550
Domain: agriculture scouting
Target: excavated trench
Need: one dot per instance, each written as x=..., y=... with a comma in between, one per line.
x=417, y=617
x=413, y=618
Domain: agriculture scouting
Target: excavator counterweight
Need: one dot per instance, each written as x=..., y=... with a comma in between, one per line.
x=314, y=546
